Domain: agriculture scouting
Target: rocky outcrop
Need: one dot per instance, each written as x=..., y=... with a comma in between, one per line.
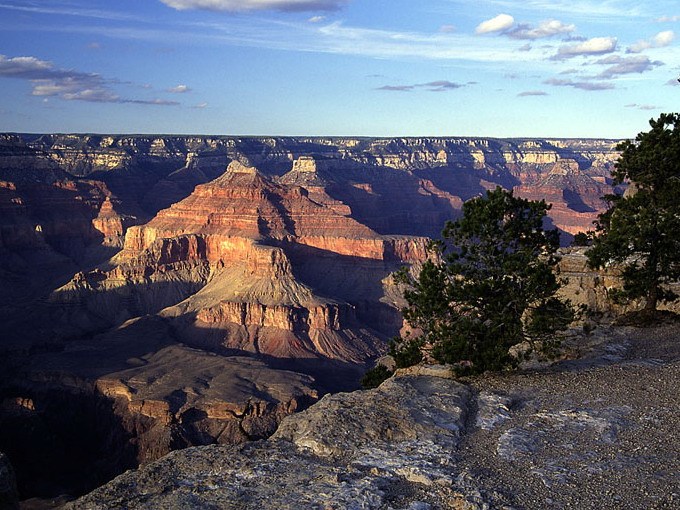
x=589, y=287
x=129, y=397
x=238, y=400
x=241, y=239
x=284, y=317
x=587, y=433
x=353, y=450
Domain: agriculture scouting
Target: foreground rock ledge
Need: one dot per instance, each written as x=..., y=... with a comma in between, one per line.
x=600, y=433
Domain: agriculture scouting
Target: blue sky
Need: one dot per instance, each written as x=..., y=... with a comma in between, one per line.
x=503, y=68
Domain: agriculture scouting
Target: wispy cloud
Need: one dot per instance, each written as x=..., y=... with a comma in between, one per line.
x=397, y=88
x=333, y=38
x=667, y=19
x=626, y=65
x=433, y=86
x=582, y=85
x=257, y=5
x=47, y=80
x=530, y=93
x=548, y=28
x=611, y=9
x=200, y=106
x=440, y=86
x=594, y=46
x=70, y=10
x=660, y=40
x=339, y=38
x=642, y=106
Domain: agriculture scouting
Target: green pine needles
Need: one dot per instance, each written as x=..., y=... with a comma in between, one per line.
x=489, y=285
x=640, y=232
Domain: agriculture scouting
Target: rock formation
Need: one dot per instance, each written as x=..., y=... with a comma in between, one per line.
x=122, y=255
x=598, y=432
x=576, y=197
x=130, y=396
x=226, y=256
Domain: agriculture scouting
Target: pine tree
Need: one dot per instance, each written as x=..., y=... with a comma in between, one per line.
x=489, y=285
x=640, y=232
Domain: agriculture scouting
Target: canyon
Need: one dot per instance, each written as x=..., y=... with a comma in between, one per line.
x=161, y=292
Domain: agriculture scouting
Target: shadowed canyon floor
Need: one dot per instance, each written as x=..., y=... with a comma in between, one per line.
x=169, y=291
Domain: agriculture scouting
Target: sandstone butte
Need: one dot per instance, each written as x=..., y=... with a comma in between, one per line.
x=160, y=292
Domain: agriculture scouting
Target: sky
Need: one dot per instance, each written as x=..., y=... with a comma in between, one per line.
x=488, y=68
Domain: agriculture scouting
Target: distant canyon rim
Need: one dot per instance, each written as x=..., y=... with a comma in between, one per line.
x=158, y=292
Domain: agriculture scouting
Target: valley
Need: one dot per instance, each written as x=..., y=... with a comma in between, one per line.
x=171, y=291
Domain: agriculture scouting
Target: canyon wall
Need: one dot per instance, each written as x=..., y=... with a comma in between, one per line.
x=196, y=289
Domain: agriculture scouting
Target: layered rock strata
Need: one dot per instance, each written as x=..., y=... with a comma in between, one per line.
x=231, y=239
x=282, y=262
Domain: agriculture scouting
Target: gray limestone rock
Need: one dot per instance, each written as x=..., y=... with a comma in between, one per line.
x=390, y=447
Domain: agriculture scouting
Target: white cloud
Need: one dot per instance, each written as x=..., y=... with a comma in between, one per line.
x=505, y=24
x=179, y=89
x=25, y=67
x=667, y=19
x=96, y=95
x=200, y=106
x=49, y=81
x=546, y=28
x=660, y=40
x=582, y=85
x=663, y=38
x=639, y=47
x=500, y=23
x=256, y=5
x=316, y=19
x=594, y=46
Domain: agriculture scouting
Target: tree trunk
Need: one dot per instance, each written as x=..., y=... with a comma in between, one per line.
x=652, y=299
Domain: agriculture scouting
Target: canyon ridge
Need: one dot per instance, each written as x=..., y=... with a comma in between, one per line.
x=159, y=292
